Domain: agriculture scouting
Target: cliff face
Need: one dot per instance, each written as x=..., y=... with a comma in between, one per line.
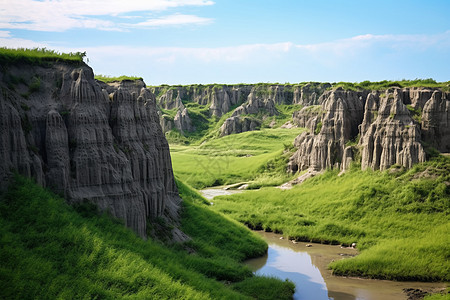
x=87, y=143
x=335, y=123
x=249, y=100
x=385, y=128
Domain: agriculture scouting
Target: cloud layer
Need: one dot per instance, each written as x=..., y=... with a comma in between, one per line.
x=57, y=16
x=371, y=57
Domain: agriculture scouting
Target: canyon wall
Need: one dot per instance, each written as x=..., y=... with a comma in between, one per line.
x=385, y=128
x=244, y=100
x=87, y=141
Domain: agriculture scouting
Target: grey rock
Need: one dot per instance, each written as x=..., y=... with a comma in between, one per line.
x=310, y=93
x=133, y=86
x=340, y=114
x=240, y=121
x=73, y=138
x=166, y=122
x=308, y=117
x=239, y=124
x=182, y=121
x=391, y=136
x=436, y=121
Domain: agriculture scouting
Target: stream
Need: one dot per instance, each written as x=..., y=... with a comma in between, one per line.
x=306, y=267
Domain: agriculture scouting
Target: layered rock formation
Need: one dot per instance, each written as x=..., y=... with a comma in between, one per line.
x=386, y=128
x=252, y=99
x=219, y=98
x=133, y=86
x=392, y=137
x=436, y=121
x=182, y=121
x=335, y=123
x=240, y=121
x=72, y=136
x=310, y=94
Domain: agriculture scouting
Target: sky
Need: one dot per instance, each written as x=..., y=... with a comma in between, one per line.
x=240, y=41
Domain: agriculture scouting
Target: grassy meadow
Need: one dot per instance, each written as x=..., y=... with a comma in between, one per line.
x=400, y=219
x=50, y=250
x=254, y=156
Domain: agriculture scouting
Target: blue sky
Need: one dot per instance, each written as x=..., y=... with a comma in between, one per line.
x=228, y=41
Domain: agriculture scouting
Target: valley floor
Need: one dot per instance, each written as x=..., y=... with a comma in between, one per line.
x=398, y=218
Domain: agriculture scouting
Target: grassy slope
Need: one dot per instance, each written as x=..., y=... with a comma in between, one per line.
x=233, y=158
x=400, y=221
x=50, y=250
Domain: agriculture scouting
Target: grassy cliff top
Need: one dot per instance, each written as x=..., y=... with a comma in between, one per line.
x=363, y=85
x=108, y=79
x=38, y=56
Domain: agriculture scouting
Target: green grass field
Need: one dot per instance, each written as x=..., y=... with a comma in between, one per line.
x=50, y=250
x=399, y=219
x=254, y=156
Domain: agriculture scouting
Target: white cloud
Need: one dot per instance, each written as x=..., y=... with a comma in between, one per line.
x=176, y=19
x=52, y=15
x=4, y=34
x=176, y=54
x=9, y=42
x=417, y=41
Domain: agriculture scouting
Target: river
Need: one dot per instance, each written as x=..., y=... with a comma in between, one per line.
x=307, y=268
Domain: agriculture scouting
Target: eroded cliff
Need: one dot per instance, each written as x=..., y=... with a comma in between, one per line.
x=103, y=145
x=382, y=128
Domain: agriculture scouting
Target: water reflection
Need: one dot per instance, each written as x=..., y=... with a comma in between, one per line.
x=307, y=268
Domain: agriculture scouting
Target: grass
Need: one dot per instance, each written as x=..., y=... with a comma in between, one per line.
x=108, y=79
x=37, y=56
x=247, y=156
x=385, y=84
x=399, y=219
x=445, y=295
x=51, y=250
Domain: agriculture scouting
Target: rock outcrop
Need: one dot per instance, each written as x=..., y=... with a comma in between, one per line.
x=436, y=121
x=240, y=121
x=219, y=98
x=310, y=94
x=182, y=121
x=71, y=136
x=340, y=115
x=389, y=135
x=248, y=98
x=133, y=86
x=385, y=128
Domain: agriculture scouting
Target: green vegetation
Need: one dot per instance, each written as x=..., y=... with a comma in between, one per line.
x=254, y=156
x=439, y=296
x=318, y=128
x=416, y=113
x=51, y=250
x=37, y=56
x=108, y=79
x=399, y=219
x=385, y=84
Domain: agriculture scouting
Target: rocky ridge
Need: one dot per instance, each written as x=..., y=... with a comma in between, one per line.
x=87, y=141
x=243, y=100
x=383, y=128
